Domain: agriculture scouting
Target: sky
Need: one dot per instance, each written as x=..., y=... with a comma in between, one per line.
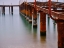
x=17, y=1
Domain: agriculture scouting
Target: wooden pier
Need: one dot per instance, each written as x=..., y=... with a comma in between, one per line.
x=55, y=10
x=56, y=13
x=10, y=6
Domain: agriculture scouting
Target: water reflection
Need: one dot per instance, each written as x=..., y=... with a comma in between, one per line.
x=47, y=23
x=51, y=37
x=0, y=11
x=17, y=32
x=54, y=26
x=48, y=19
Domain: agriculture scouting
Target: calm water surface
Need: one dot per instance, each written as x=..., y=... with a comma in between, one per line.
x=17, y=32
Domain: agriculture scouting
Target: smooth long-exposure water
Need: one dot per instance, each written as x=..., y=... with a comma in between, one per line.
x=17, y=32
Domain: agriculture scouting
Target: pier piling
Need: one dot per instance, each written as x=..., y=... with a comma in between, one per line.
x=54, y=8
x=42, y=23
x=30, y=20
x=60, y=26
x=34, y=17
x=11, y=9
x=3, y=10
